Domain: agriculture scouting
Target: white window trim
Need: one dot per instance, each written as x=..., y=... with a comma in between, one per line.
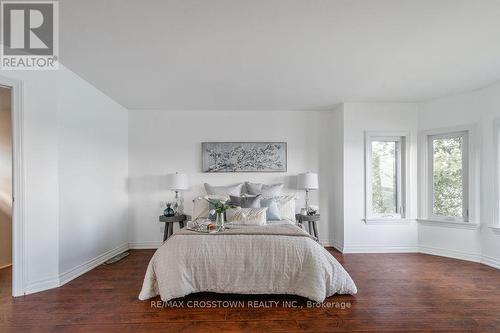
x=465, y=168
x=472, y=182
x=394, y=221
x=403, y=171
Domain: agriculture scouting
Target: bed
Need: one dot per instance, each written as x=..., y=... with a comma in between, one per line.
x=277, y=258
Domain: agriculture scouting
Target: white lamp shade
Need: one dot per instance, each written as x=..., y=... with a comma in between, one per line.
x=307, y=181
x=178, y=181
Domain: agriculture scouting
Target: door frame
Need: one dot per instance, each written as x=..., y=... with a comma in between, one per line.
x=18, y=187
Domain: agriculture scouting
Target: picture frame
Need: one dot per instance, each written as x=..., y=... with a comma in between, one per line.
x=231, y=157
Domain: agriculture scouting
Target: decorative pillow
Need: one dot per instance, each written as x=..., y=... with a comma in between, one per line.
x=200, y=208
x=273, y=211
x=267, y=191
x=286, y=206
x=224, y=190
x=245, y=201
x=247, y=216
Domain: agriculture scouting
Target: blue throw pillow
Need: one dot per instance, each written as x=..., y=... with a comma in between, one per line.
x=273, y=212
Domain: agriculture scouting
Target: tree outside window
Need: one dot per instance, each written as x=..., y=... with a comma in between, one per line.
x=448, y=185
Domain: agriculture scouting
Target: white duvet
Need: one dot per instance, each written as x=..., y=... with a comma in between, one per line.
x=244, y=264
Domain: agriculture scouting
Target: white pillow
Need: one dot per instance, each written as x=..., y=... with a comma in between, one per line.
x=286, y=206
x=200, y=205
x=224, y=190
x=267, y=191
x=200, y=208
x=247, y=216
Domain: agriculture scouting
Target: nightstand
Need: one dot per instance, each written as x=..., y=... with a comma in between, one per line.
x=169, y=223
x=311, y=220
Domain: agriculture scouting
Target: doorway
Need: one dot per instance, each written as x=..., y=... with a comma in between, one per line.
x=6, y=162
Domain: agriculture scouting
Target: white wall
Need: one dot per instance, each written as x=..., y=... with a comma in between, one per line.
x=60, y=112
x=335, y=168
x=358, y=118
x=481, y=107
x=162, y=142
x=93, y=170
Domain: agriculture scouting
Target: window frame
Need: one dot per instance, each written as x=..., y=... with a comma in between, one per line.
x=465, y=175
x=402, y=162
x=473, y=179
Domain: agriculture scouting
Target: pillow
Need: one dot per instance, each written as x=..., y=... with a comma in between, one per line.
x=245, y=201
x=286, y=206
x=246, y=216
x=267, y=191
x=200, y=208
x=273, y=212
x=223, y=190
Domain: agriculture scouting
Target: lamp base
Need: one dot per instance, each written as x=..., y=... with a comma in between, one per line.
x=179, y=202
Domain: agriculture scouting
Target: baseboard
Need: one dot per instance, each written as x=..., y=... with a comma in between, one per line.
x=41, y=285
x=490, y=261
x=455, y=254
x=90, y=264
x=144, y=245
x=380, y=249
x=326, y=243
x=337, y=246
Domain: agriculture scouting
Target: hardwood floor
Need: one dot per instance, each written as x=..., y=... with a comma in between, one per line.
x=397, y=292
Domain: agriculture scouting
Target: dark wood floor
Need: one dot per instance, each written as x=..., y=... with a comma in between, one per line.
x=397, y=292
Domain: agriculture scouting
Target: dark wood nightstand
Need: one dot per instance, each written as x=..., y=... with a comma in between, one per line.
x=311, y=220
x=169, y=223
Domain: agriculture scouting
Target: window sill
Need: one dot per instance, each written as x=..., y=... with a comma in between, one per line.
x=496, y=229
x=387, y=221
x=449, y=224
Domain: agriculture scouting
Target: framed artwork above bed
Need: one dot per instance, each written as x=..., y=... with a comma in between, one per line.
x=244, y=156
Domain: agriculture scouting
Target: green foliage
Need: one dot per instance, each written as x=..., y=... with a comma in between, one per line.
x=384, y=193
x=447, y=177
x=220, y=206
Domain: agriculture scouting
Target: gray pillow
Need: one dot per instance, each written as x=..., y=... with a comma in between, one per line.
x=245, y=202
x=223, y=190
x=267, y=191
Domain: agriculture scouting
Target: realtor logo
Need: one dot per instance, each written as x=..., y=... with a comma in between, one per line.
x=29, y=35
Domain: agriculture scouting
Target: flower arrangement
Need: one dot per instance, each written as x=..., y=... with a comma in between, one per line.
x=220, y=206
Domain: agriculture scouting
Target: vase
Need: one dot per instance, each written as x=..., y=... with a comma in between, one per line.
x=169, y=212
x=219, y=221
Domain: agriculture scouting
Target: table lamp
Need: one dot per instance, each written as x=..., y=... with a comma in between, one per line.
x=307, y=181
x=178, y=182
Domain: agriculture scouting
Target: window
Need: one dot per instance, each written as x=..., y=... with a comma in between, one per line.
x=448, y=176
x=385, y=176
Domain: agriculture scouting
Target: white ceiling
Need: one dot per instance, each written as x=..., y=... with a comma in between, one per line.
x=272, y=54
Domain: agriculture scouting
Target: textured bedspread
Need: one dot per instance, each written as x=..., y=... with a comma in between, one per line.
x=250, y=260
